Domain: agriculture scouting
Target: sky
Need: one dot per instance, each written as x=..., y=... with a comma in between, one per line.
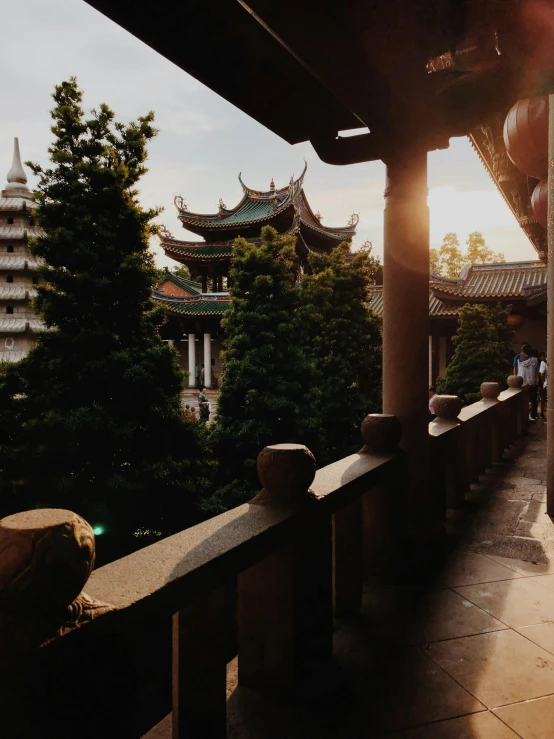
x=204, y=141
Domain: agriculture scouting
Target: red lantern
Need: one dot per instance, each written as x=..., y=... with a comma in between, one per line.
x=539, y=202
x=526, y=136
x=516, y=321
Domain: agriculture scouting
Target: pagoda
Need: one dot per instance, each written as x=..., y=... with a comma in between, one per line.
x=196, y=306
x=19, y=325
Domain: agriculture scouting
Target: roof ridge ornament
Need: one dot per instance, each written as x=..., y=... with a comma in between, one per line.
x=165, y=232
x=17, y=179
x=354, y=220
x=180, y=203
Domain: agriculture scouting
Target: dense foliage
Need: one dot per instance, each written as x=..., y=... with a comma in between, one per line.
x=448, y=260
x=94, y=409
x=302, y=361
x=263, y=397
x=342, y=341
x=483, y=352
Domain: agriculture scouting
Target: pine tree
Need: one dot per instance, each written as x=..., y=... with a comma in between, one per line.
x=263, y=397
x=342, y=340
x=483, y=352
x=97, y=419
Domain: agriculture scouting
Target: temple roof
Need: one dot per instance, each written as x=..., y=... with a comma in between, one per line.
x=259, y=207
x=17, y=179
x=190, y=287
x=20, y=325
x=19, y=262
x=506, y=280
x=436, y=307
x=20, y=232
x=17, y=292
x=199, y=306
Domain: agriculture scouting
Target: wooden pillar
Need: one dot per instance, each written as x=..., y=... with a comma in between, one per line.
x=550, y=304
x=406, y=321
x=204, y=283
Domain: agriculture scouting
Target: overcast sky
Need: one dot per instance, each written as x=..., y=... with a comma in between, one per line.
x=204, y=142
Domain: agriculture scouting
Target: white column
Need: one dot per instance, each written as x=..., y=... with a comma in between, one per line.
x=171, y=342
x=442, y=356
x=192, y=359
x=430, y=360
x=208, y=360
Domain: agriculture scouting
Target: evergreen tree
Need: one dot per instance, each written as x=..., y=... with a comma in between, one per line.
x=96, y=404
x=483, y=352
x=263, y=397
x=342, y=340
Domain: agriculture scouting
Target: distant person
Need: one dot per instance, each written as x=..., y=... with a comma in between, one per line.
x=528, y=369
x=543, y=372
x=196, y=376
x=186, y=412
x=518, y=357
x=203, y=405
x=192, y=413
x=432, y=396
x=202, y=376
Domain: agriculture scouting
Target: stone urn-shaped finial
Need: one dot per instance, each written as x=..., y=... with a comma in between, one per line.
x=286, y=472
x=447, y=407
x=381, y=433
x=515, y=381
x=490, y=390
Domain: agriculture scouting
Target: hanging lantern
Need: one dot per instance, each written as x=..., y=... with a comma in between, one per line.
x=526, y=136
x=516, y=321
x=539, y=202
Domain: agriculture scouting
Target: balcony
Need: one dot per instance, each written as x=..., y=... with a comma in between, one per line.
x=316, y=610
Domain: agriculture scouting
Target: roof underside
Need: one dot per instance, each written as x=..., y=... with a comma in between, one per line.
x=195, y=306
x=395, y=74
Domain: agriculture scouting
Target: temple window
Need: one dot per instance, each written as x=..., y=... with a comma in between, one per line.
x=35, y=280
x=9, y=278
x=10, y=248
x=10, y=220
x=9, y=309
x=31, y=221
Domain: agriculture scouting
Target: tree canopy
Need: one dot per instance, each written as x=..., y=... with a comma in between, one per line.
x=95, y=405
x=448, y=259
x=483, y=352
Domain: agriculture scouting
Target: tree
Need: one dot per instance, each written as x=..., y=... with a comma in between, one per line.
x=483, y=352
x=342, y=340
x=448, y=259
x=180, y=270
x=374, y=266
x=96, y=404
x=479, y=253
x=263, y=397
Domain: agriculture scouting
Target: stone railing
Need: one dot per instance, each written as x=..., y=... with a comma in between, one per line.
x=155, y=630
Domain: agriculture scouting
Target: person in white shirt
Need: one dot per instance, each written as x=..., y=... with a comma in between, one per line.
x=528, y=368
x=543, y=372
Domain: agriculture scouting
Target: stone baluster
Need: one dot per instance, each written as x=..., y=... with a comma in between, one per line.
x=516, y=383
x=381, y=434
x=491, y=446
x=285, y=602
x=46, y=557
x=448, y=469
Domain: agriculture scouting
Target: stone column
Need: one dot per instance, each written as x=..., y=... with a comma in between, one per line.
x=192, y=359
x=406, y=320
x=442, y=356
x=550, y=304
x=208, y=360
x=171, y=342
x=430, y=360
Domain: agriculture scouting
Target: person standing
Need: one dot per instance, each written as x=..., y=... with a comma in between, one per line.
x=202, y=375
x=432, y=396
x=543, y=371
x=203, y=405
x=196, y=376
x=528, y=369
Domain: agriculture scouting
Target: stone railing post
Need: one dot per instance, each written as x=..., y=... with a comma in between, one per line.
x=448, y=473
x=381, y=434
x=285, y=602
x=491, y=432
x=46, y=557
x=518, y=418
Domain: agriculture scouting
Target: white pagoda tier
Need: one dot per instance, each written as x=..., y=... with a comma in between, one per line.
x=19, y=325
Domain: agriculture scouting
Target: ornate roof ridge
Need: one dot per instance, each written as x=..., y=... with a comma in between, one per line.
x=273, y=192
x=181, y=282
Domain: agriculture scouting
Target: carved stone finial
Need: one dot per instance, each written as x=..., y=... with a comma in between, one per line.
x=447, y=406
x=286, y=472
x=381, y=433
x=17, y=179
x=46, y=557
x=515, y=381
x=490, y=390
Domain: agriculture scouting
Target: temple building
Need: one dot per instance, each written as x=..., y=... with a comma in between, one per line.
x=19, y=325
x=196, y=306
x=520, y=285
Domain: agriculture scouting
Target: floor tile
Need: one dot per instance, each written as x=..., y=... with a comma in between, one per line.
x=467, y=569
x=446, y=615
x=541, y=634
x=547, y=581
x=532, y=719
x=514, y=602
x=538, y=530
x=497, y=668
x=524, y=568
x=422, y=692
x=483, y=725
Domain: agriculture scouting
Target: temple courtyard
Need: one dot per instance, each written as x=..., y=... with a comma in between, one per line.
x=470, y=655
